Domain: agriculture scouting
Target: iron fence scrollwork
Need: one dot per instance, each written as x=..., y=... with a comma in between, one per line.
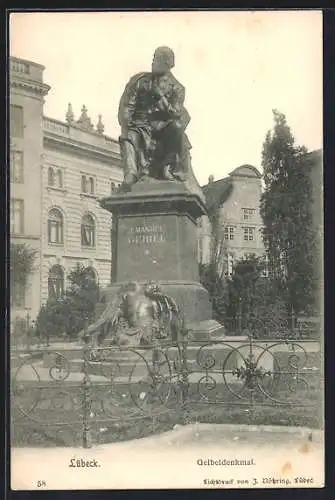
x=119, y=388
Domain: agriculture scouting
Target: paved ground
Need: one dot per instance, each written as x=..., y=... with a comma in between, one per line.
x=266, y=457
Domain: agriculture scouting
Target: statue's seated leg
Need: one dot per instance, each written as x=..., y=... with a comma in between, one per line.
x=144, y=165
x=129, y=154
x=170, y=139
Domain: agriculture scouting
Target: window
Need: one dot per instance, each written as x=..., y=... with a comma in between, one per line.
x=55, y=226
x=248, y=256
x=113, y=187
x=229, y=233
x=91, y=185
x=248, y=213
x=51, y=176
x=59, y=178
x=16, y=167
x=17, y=215
x=83, y=184
x=56, y=282
x=88, y=231
x=55, y=177
x=249, y=233
x=87, y=184
x=18, y=296
x=16, y=121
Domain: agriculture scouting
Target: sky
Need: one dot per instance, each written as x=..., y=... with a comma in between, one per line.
x=236, y=67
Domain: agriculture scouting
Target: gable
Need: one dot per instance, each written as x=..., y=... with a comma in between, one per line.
x=246, y=171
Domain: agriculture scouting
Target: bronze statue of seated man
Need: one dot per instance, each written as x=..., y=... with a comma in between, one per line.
x=153, y=120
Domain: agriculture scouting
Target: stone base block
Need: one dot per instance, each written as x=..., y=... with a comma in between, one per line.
x=192, y=298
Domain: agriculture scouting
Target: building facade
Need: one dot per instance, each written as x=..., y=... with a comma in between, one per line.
x=27, y=92
x=59, y=171
x=237, y=199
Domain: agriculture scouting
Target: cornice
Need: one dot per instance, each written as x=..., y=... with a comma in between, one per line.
x=77, y=256
x=36, y=87
x=83, y=149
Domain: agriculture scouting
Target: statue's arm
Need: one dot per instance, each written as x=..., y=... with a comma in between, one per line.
x=128, y=103
x=178, y=99
x=174, y=103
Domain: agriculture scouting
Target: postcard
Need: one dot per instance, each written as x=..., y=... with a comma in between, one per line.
x=166, y=272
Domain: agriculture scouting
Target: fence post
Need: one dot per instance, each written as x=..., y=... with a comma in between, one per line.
x=239, y=316
x=292, y=320
x=87, y=396
x=183, y=375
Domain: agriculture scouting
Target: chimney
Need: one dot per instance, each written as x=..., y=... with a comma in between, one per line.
x=210, y=179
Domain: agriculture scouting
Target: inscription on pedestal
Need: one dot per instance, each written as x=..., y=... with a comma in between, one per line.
x=146, y=234
x=158, y=247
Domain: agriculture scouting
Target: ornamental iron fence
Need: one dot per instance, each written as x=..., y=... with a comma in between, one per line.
x=83, y=395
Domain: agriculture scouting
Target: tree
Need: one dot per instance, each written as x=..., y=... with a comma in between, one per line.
x=22, y=262
x=252, y=299
x=82, y=296
x=211, y=279
x=70, y=313
x=22, y=265
x=289, y=236
x=53, y=318
x=212, y=273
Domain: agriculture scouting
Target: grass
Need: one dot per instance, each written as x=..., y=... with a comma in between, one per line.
x=54, y=410
x=121, y=414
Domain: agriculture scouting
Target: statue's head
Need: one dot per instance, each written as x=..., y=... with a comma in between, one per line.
x=163, y=60
x=152, y=287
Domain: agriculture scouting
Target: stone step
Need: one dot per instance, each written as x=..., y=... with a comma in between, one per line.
x=73, y=353
x=206, y=357
x=117, y=367
x=199, y=355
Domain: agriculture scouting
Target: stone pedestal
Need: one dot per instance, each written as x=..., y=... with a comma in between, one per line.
x=154, y=237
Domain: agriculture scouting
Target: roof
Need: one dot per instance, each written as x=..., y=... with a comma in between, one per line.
x=216, y=193
x=315, y=157
x=26, y=61
x=246, y=171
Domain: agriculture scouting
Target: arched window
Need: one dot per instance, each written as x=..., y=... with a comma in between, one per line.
x=113, y=187
x=59, y=178
x=56, y=282
x=91, y=185
x=51, y=176
x=88, y=231
x=55, y=226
